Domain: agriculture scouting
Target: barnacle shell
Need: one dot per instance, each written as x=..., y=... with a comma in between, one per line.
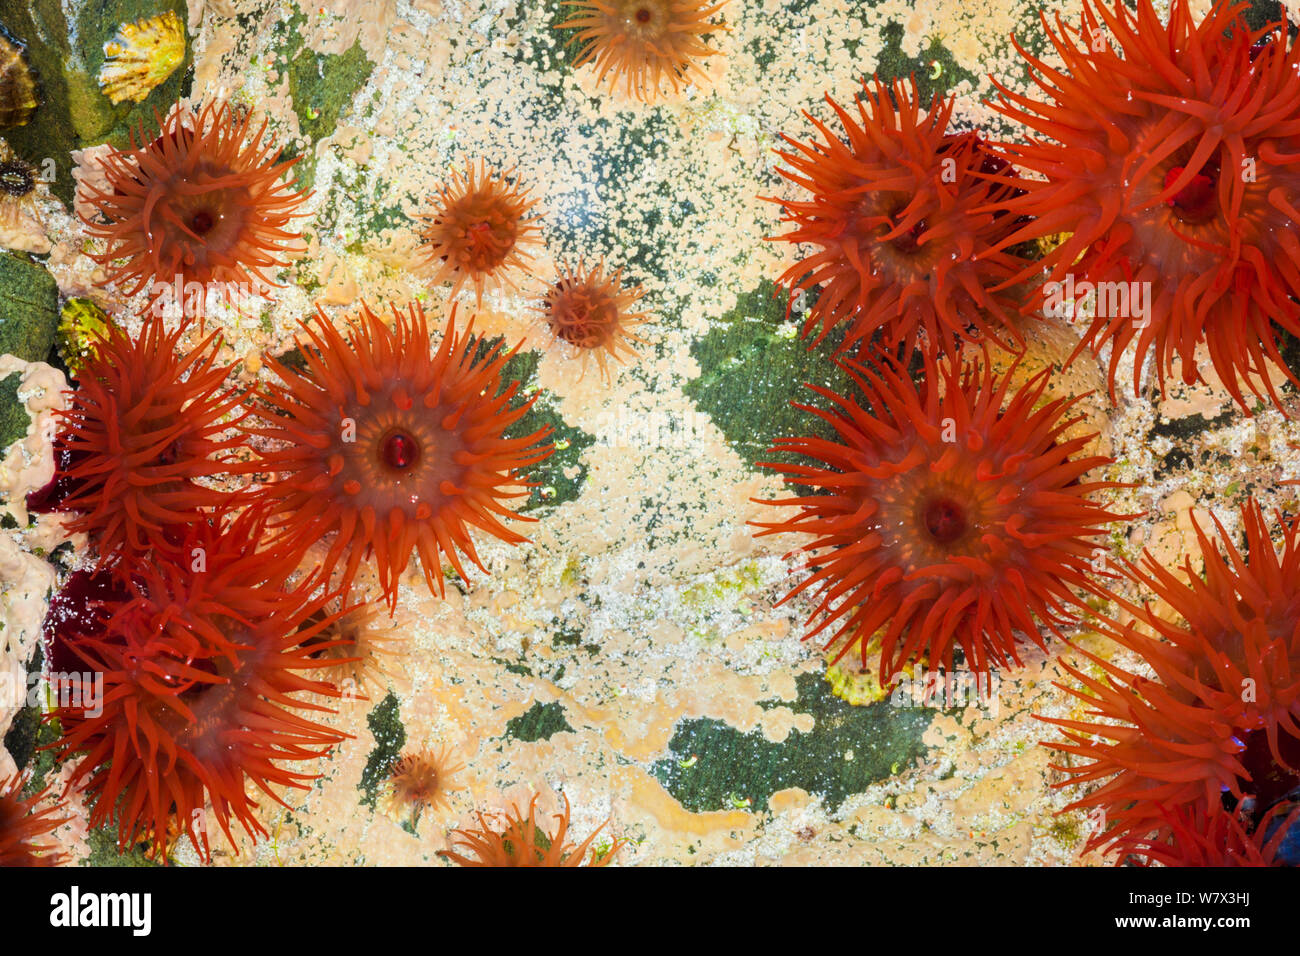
x=19, y=84
x=141, y=56
x=20, y=222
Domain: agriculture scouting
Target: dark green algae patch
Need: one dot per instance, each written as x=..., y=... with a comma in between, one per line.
x=713, y=766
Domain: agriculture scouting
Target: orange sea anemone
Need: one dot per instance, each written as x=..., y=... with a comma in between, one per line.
x=480, y=232
x=590, y=311
x=644, y=41
x=385, y=445
x=24, y=827
x=423, y=780
x=206, y=201
x=953, y=514
x=1166, y=154
x=361, y=648
x=146, y=436
x=896, y=213
x=510, y=839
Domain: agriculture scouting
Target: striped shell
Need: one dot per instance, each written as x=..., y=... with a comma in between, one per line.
x=140, y=56
x=19, y=84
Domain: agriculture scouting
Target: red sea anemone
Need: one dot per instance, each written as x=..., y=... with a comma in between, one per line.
x=1218, y=726
x=518, y=841
x=954, y=515
x=390, y=445
x=204, y=203
x=23, y=827
x=480, y=232
x=206, y=668
x=643, y=41
x=897, y=215
x=1168, y=156
x=590, y=311
x=142, y=440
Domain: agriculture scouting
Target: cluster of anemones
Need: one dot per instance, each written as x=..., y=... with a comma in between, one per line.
x=216, y=634
x=949, y=516
x=480, y=234
x=1163, y=181
x=384, y=444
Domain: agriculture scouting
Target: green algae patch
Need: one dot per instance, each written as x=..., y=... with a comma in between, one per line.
x=539, y=722
x=560, y=476
x=322, y=86
x=104, y=851
x=30, y=316
x=14, y=419
x=390, y=737
x=713, y=766
x=753, y=364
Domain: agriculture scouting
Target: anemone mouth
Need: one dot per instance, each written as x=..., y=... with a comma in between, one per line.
x=1268, y=781
x=582, y=316
x=592, y=311
x=926, y=521
x=908, y=242
x=407, y=458
x=399, y=450
x=206, y=224
x=945, y=520
x=1197, y=201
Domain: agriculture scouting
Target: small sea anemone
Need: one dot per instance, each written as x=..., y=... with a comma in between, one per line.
x=206, y=667
x=205, y=202
x=1218, y=727
x=423, y=780
x=590, y=311
x=480, y=232
x=956, y=515
x=392, y=446
x=1166, y=153
x=142, y=438
x=23, y=826
x=643, y=41
x=360, y=647
x=511, y=840
x=897, y=212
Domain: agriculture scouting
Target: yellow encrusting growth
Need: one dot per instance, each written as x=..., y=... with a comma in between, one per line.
x=140, y=56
